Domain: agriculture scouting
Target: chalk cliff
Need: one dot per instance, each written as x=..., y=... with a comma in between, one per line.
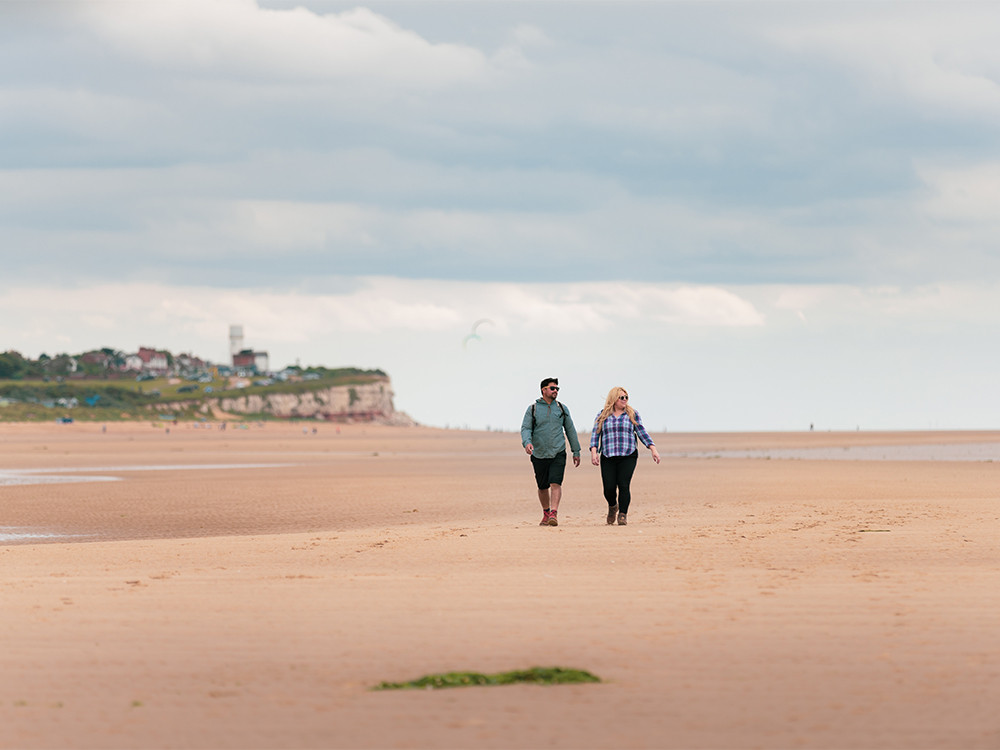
x=368, y=402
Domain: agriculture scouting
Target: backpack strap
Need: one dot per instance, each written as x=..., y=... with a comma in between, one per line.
x=561, y=408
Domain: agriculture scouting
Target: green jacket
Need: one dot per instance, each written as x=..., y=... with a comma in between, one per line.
x=544, y=429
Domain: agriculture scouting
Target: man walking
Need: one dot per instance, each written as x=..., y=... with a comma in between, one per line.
x=544, y=430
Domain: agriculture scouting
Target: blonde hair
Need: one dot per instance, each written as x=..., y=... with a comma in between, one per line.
x=609, y=407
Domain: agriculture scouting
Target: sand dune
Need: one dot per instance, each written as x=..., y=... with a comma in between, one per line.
x=247, y=588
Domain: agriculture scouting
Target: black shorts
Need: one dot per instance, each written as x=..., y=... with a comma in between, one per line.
x=549, y=471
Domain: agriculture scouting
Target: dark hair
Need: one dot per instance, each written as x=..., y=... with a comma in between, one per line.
x=549, y=380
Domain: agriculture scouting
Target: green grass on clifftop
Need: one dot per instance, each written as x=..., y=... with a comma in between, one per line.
x=126, y=399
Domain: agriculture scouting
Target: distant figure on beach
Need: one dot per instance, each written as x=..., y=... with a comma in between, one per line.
x=544, y=430
x=613, y=447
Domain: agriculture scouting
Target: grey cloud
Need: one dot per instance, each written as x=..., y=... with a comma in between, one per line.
x=688, y=142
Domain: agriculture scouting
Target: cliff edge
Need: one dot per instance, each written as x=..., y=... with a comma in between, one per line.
x=363, y=402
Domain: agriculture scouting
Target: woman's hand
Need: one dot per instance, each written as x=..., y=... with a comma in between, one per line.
x=595, y=457
x=656, y=453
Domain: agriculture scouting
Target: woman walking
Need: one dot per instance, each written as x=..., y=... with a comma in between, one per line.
x=613, y=447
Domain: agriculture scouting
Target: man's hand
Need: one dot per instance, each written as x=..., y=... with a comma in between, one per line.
x=529, y=449
x=576, y=460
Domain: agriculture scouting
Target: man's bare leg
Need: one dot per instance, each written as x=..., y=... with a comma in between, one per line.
x=543, y=498
x=556, y=496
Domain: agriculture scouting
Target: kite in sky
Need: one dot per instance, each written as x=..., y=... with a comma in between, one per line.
x=473, y=336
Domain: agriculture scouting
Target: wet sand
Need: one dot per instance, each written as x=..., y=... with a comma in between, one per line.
x=247, y=588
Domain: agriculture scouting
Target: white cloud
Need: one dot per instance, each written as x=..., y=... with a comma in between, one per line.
x=941, y=55
x=962, y=195
x=705, y=306
x=278, y=226
x=530, y=35
x=377, y=304
x=236, y=37
x=873, y=307
x=94, y=114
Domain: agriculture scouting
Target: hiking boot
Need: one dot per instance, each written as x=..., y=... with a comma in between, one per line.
x=545, y=517
x=622, y=521
x=612, y=512
x=553, y=521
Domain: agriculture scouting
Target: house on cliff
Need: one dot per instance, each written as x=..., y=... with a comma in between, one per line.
x=148, y=360
x=248, y=360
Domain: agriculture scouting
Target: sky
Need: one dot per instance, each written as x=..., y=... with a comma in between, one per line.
x=751, y=215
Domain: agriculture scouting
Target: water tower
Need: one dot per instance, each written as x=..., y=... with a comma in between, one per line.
x=235, y=339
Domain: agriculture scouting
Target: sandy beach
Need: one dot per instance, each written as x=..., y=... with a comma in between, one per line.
x=246, y=588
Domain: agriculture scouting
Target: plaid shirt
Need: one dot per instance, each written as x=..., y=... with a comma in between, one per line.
x=617, y=437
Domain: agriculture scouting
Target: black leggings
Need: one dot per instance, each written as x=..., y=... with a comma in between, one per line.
x=616, y=473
